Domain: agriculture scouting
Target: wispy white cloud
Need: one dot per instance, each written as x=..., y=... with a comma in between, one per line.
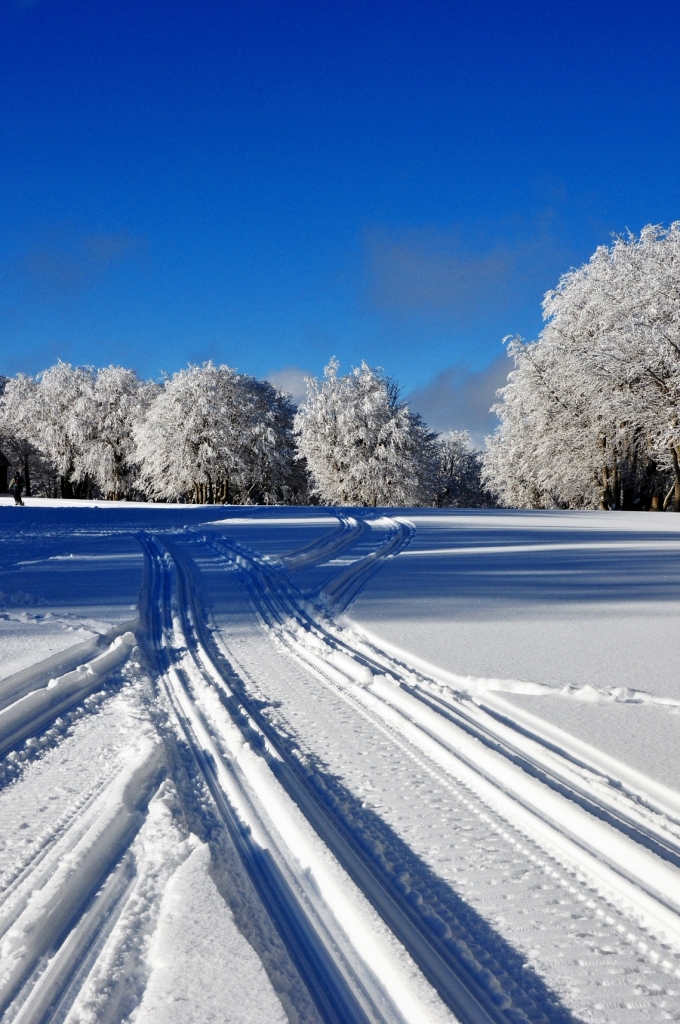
x=460, y=399
x=291, y=379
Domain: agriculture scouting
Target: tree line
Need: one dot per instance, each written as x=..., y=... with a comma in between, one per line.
x=208, y=434
x=590, y=417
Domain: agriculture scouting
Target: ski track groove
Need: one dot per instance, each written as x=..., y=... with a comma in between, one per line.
x=52, y=913
x=279, y=606
x=352, y=663
x=420, y=933
x=347, y=533
x=303, y=903
x=63, y=893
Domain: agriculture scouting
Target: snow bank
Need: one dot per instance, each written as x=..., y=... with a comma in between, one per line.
x=36, y=709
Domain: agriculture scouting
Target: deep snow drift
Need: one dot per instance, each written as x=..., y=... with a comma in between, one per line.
x=338, y=765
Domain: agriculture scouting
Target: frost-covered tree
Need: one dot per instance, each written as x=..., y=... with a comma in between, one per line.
x=20, y=428
x=591, y=414
x=271, y=472
x=210, y=434
x=459, y=475
x=16, y=397
x=78, y=422
x=109, y=404
x=364, y=446
x=51, y=422
x=214, y=435
x=556, y=446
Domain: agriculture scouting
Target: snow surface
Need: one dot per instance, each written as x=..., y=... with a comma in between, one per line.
x=443, y=742
x=568, y=600
x=195, y=940
x=25, y=635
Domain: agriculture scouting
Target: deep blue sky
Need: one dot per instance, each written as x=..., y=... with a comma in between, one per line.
x=269, y=184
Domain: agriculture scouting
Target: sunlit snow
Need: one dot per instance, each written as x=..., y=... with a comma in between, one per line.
x=317, y=765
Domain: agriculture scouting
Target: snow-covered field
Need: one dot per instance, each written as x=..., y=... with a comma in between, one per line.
x=318, y=765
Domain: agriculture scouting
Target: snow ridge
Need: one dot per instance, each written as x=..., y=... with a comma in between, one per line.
x=43, y=907
x=42, y=705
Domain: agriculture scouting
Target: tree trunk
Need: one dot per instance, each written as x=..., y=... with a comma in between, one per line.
x=676, y=471
x=27, y=477
x=616, y=490
x=667, y=499
x=605, y=493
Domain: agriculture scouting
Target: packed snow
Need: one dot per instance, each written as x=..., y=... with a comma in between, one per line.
x=338, y=765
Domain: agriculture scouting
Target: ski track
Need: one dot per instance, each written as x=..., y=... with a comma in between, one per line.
x=80, y=905
x=347, y=961
x=61, y=895
x=613, y=862
x=347, y=533
x=398, y=845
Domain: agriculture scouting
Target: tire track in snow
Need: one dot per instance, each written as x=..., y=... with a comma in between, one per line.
x=353, y=664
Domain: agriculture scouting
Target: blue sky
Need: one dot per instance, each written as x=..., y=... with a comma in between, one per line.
x=270, y=184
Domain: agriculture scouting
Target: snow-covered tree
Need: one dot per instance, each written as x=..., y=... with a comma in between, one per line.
x=111, y=401
x=591, y=414
x=50, y=420
x=364, y=446
x=16, y=397
x=79, y=422
x=210, y=434
x=19, y=436
x=214, y=435
x=459, y=473
x=271, y=473
x=624, y=308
